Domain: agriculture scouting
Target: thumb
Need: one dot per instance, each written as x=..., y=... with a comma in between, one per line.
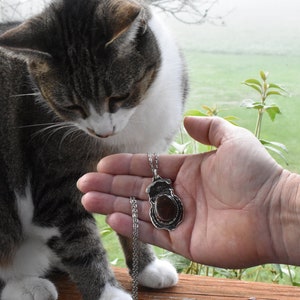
x=209, y=130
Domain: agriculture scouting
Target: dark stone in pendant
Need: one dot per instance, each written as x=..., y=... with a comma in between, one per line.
x=166, y=209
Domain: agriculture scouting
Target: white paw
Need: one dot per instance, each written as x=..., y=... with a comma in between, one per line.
x=29, y=288
x=113, y=293
x=159, y=274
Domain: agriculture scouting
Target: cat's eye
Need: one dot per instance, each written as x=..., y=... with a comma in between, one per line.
x=78, y=109
x=115, y=103
x=119, y=98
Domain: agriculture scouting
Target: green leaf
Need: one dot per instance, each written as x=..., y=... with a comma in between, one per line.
x=106, y=231
x=276, y=86
x=254, y=86
x=258, y=105
x=195, y=113
x=272, y=111
x=253, y=81
x=211, y=111
x=275, y=93
x=276, y=144
x=272, y=149
x=264, y=75
x=248, y=103
x=272, y=146
x=232, y=120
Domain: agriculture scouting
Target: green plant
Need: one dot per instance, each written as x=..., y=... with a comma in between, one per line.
x=209, y=112
x=265, y=90
x=184, y=144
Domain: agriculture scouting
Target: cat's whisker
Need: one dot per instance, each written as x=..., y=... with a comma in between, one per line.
x=73, y=130
x=24, y=95
x=53, y=129
x=36, y=125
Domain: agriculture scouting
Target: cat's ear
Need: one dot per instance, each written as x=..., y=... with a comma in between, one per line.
x=125, y=19
x=26, y=40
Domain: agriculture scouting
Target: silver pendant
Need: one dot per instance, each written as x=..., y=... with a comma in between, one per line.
x=166, y=211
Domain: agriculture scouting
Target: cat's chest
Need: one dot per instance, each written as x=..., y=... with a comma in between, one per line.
x=32, y=256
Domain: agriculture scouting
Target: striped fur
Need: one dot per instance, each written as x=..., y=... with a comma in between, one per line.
x=82, y=80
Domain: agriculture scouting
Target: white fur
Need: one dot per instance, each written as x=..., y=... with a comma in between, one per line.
x=25, y=212
x=158, y=275
x=29, y=288
x=106, y=124
x=33, y=257
x=152, y=124
x=113, y=293
x=158, y=116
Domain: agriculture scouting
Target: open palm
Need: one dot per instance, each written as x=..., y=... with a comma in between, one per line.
x=226, y=195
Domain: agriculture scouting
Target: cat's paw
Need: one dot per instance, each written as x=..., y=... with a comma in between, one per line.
x=158, y=274
x=113, y=293
x=29, y=288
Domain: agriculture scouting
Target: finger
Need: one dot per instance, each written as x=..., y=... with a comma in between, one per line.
x=119, y=185
x=93, y=182
x=210, y=130
x=107, y=204
x=138, y=164
x=122, y=224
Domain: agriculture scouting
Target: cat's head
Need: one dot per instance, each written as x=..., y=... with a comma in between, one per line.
x=92, y=60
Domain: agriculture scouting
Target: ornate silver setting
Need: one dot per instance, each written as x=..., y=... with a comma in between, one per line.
x=166, y=211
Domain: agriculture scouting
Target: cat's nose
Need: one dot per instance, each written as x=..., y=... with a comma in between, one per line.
x=101, y=135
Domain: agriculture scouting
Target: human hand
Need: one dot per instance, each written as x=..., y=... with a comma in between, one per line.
x=227, y=196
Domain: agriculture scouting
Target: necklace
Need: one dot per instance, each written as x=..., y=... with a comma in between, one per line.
x=166, y=212
x=135, y=248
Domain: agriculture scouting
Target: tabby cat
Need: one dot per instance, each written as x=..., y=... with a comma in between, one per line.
x=81, y=80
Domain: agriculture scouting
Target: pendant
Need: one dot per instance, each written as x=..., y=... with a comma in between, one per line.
x=166, y=211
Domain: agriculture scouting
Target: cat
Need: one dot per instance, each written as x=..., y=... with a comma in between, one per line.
x=81, y=80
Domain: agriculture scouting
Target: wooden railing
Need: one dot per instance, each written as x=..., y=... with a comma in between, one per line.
x=193, y=287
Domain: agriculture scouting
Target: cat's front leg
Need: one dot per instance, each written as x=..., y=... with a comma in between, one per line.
x=84, y=258
x=153, y=272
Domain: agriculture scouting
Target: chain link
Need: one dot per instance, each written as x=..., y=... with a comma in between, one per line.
x=153, y=162
x=135, y=248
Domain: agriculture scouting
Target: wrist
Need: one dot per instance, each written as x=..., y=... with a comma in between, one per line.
x=284, y=222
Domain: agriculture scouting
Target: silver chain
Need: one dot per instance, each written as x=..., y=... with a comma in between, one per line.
x=153, y=162
x=135, y=248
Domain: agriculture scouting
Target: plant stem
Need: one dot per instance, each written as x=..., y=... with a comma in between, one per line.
x=258, y=123
x=261, y=111
x=240, y=274
x=290, y=275
x=257, y=274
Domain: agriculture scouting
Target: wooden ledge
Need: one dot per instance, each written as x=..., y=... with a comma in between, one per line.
x=193, y=287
